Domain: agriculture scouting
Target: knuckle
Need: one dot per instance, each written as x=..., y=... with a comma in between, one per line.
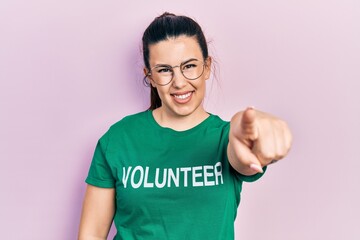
x=267, y=156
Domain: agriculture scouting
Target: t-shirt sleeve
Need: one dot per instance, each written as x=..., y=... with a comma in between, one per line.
x=251, y=178
x=100, y=174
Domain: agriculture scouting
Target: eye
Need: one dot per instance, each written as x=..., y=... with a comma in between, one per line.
x=163, y=70
x=188, y=66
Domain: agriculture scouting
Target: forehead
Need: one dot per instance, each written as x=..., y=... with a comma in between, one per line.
x=173, y=51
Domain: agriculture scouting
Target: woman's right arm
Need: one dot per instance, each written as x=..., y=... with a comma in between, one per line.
x=97, y=213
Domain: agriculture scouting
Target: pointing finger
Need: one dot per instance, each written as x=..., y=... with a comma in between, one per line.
x=248, y=124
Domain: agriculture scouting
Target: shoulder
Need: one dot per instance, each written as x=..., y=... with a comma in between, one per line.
x=128, y=123
x=218, y=122
x=217, y=128
x=130, y=120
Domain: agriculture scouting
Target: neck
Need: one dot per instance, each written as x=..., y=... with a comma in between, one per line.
x=177, y=122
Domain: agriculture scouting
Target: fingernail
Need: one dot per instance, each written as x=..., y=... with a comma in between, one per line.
x=256, y=167
x=251, y=107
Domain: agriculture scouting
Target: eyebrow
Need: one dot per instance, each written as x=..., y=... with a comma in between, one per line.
x=167, y=65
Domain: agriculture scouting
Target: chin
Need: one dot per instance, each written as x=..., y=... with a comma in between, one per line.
x=184, y=111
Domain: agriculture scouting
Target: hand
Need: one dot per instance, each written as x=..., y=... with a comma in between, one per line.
x=257, y=139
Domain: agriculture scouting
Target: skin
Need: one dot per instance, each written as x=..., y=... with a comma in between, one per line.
x=172, y=114
x=255, y=138
x=97, y=213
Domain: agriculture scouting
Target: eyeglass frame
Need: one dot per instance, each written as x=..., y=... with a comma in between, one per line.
x=173, y=72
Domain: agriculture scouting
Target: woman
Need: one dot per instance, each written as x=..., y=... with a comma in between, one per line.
x=175, y=171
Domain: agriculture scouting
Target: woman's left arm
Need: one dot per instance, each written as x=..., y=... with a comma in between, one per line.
x=256, y=139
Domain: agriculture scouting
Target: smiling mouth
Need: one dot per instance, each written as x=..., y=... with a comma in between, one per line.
x=182, y=98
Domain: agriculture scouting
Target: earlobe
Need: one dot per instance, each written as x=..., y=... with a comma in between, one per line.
x=148, y=80
x=209, y=61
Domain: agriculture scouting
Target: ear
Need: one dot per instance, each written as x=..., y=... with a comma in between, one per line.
x=208, y=63
x=146, y=71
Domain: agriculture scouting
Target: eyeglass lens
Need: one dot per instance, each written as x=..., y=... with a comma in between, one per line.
x=191, y=70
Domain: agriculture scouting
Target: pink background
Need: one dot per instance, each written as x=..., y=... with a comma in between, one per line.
x=70, y=69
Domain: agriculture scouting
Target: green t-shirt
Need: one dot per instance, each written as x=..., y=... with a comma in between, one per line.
x=169, y=184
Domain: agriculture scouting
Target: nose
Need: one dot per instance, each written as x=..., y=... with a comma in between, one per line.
x=179, y=81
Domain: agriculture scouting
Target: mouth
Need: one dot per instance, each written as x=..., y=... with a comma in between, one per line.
x=183, y=97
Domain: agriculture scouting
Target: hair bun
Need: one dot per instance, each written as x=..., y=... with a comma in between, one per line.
x=167, y=14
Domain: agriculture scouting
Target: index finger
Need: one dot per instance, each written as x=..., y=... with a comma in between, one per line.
x=249, y=124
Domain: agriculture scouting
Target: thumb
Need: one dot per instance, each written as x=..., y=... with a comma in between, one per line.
x=247, y=157
x=248, y=123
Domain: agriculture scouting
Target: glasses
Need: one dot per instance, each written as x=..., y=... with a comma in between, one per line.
x=163, y=74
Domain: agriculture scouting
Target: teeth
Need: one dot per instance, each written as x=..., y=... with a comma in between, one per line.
x=183, y=96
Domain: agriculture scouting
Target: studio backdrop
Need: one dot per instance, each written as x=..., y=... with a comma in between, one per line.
x=70, y=69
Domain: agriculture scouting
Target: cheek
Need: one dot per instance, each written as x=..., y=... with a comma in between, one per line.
x=200, y=88
x=201, y=85
x=162, y=92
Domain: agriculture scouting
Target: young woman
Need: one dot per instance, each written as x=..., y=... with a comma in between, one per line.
x=176, y=171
